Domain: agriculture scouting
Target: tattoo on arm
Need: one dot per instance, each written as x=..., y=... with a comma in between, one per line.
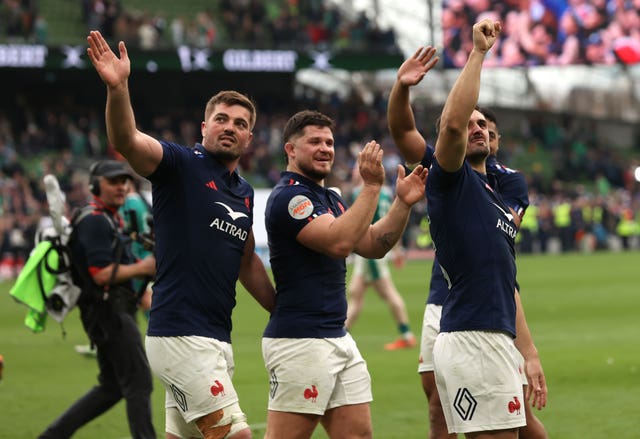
x=385, y=241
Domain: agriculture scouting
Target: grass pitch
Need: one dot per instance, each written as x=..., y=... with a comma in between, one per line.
x=582, y=311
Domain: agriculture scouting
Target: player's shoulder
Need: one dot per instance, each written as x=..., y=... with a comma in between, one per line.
x=497, y=168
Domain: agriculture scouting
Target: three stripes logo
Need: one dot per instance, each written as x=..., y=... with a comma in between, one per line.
x=212, y=185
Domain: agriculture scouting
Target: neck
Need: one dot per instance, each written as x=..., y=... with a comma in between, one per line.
x=317, y=180
x=478, y=165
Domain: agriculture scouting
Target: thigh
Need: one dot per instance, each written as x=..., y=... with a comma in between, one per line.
x=349, y=421
x=196, y=373
x=353, y=382
x=290, y=425
x=311, y=375
x=299, y=377
x=478, y=381
x=430, y=330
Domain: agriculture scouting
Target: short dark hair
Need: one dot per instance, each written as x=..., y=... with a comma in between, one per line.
x=489, y=115
x=232, y=97
x=297, y=123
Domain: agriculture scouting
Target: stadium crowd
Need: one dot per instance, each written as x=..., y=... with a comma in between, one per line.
x=598, y=208
x=546, y=33
x=274, y=24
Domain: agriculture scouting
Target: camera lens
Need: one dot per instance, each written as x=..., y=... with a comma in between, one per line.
x=55, y=302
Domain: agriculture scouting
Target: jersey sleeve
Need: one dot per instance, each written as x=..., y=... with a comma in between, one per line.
x=295, y=207
x=172, y=159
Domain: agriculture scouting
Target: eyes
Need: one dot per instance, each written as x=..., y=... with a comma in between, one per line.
x=318, y=141
x=493, y=135
x=238, y=122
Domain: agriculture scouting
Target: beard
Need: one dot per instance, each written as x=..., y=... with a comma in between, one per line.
x=477, y=156
x=225, y=155
x=314, y=174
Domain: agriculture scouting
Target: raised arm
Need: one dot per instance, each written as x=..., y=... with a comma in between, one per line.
x=386, y=232
x=141, y=150
x=338, y=236
x=399, y=113
x=451, y=145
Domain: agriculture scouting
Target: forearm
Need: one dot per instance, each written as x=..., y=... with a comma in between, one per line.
x=524, y=340
x=256, y=281
x=386, y=232
x=124, y=273
x=142, y=151
x=451, y=145
x=120, y=119
x=402, y=124
x=350, y=227
x=465, y=92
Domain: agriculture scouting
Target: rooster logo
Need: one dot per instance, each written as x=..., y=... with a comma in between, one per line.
x=234, y=215
x=514, y=406
x=311, y=393
x=217, y=389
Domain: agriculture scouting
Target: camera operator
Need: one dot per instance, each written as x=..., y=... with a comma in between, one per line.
x=104, y=264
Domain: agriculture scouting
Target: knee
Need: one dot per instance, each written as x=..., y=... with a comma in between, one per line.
x=225, y=423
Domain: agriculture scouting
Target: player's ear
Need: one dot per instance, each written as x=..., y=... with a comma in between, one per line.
x=288, y=148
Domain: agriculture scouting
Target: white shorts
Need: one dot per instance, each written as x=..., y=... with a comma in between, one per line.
x=478, y=381
x=523, y=376
x=430, y=330
x=371, y=270
x=196, y=373
x=312, y=375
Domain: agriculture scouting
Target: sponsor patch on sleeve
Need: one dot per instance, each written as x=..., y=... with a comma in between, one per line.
x=300, y=207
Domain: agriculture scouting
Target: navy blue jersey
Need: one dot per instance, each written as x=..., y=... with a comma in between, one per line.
x=203, y=215
x=310, y=286
x=474, y=235
x=438, y=288
x=511, y=184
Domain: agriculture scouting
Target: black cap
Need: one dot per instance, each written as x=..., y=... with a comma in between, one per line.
x=111, y=168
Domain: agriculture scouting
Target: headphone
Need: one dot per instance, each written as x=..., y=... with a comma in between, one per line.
x=94, y=180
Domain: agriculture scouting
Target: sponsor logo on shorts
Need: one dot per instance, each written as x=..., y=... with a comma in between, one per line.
x=311, y=393
x=465, y=404
x=514, y=406
x=180, y=397
x=300, y=207
x=217, y=388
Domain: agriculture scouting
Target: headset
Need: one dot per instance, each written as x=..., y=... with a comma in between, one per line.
x=94, y=179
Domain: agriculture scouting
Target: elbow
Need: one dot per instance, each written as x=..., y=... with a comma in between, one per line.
x=451, y=128
x=378, y=254
x=340, y=251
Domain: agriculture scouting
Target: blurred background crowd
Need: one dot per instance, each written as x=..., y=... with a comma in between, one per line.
x=584, y=194
x=558, y=32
